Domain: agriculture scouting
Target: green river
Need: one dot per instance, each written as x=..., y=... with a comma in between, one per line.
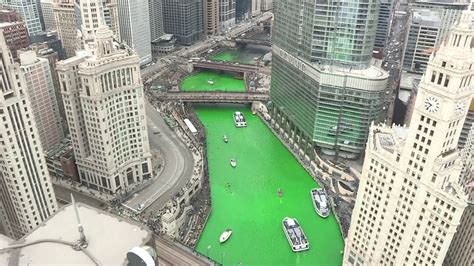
x=245, y=198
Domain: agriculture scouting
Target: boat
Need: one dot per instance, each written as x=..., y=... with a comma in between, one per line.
x=211, y=82
x=295, y=235
x=225, y=235
x=239, y=120
x=233, y=162
x=320, y=202
x=226, y=139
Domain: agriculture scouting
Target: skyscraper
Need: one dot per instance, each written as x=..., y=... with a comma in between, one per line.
x=242, y=9
x=48, y=15
x=29, y=11
x=184, y=19
x=105, y=108
x=324, y=90
x=410, y=201
x=66, y=17
x=227, y=13
x=134, y=24
x=383, y=23
x=26, y=193
x=155, y=7
x=41, y=92
x=211, y=17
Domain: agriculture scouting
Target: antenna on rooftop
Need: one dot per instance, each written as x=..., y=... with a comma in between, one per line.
x=82, y=241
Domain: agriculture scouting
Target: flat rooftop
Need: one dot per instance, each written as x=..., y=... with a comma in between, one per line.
x=109, y=237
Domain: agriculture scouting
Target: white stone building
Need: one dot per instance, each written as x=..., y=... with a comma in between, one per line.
x=65, y=15
x=48, y=15
x=26, y=193
x=410, y=200
x=105, y=108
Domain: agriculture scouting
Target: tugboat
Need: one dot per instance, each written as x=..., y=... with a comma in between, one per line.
x=225, y=235
x=320, y=202
x=295, y=235
x=226, y=139
x=233, y=163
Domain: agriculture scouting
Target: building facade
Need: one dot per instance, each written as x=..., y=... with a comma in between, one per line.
x=29, y=11
x=465, y=133
x=16, y=36
x=40, y=89
x=227, y=13
x=430, y=22
x=184, y=19
x=155, y=7
x=110, y=9
x=410, y=201
x=65, y=15
x=256, y=7
x=267, y=5
x=242, y=9
x=26, y=193
x=105, y=108
x=211, y=17
x=324, y=90
x=48, y=15
x=383, y=23
x=135, y=27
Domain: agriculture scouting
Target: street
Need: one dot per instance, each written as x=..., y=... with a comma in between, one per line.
x=177, y=169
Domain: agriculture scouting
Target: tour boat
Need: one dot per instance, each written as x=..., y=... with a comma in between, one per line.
x=226, y=139
x=239, y=119
x=211, y=82
x=233, y=162
x=295, y=235
x=320, y=202
x=225, y=235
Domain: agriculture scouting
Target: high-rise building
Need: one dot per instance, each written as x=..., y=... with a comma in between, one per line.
x=227, y=13
x=184, y=19
x=267, y=5
x=410, y=201
x=110, y=9
x=26, y=193
x=424, y=28
x=50, y=40
x=93, y=12
x=461, y=249
x=429, y=25
x=65, y=15
x=29, y=11
x=48, y=15
x=211, y=17
x=105, y=108
x=135, y=27
x=383, y=23
x=8, y=15
x=16, y=36
x=324, y=90
x=255, y=9
x=155, y=7
x=242, y=9
x=41, y=92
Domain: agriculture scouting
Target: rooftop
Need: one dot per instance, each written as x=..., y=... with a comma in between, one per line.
x=109, y=238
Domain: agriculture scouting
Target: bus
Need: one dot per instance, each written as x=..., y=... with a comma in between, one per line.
x=190, y=126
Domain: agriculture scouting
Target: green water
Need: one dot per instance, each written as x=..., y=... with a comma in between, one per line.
x=242, y=56
x=222, y=82
x=251, y=207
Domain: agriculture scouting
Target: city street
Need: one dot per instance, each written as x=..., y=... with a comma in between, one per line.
x=177, y=169
x=63, y=195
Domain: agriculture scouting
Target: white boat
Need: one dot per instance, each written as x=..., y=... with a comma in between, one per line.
x=233, y=162
x=295, y=235
x=239, y=119
x=226, y=139
x=320, y=202
x=225, y=235
x=211, y=82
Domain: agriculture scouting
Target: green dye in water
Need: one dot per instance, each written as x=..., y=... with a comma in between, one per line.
x=250, y=206
x=221, y=82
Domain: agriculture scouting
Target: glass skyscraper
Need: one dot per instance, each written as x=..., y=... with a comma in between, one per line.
x=324, y=90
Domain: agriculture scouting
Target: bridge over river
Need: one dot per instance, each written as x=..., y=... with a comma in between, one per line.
x=214, y=97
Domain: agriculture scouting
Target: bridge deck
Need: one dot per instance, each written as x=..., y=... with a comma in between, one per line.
x=215, y=97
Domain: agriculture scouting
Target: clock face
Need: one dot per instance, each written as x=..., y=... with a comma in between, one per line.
x=460, y=108
x=432, y=104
